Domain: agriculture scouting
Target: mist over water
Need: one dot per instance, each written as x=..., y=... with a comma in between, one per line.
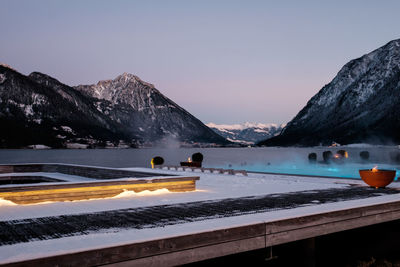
x=272, y=159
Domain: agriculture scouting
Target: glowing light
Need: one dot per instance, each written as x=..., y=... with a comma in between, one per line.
x=333, y=169
x=346, y=155
x=93, y=192
x=375, y=169
x=189, y=159
x=129, y=193
x=4, y=202
x=152, y=163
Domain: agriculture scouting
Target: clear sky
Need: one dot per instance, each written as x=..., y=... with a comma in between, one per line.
x=223, y=61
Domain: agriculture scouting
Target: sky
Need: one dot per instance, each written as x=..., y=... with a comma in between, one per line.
x=223, y=61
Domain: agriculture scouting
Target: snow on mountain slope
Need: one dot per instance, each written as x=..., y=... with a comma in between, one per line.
x=126, y=111
x=148, y=114
x=246, y=133
x=360, y=105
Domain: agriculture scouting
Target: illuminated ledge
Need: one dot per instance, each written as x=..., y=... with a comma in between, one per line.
x=93, y=190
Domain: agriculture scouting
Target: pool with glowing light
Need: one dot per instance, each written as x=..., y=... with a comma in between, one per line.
x=295, y=160
x=346, y=170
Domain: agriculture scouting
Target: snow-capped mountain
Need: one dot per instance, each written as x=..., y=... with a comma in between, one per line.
x=360, y=105
x=146, y=112
x=246, y=133
x=38, y=109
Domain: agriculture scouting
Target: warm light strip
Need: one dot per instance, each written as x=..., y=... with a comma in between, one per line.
x=140, y=187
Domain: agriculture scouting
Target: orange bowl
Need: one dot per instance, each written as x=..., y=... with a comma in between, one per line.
x=379, y=178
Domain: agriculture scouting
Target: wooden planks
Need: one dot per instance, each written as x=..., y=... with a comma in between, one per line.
x=205, y=245
x=165, y=252
x=302, y=227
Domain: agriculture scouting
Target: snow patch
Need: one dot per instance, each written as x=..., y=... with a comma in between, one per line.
x=128, y=193
x=28, y=110
x=240, y=141
x=67, y=129
x=4, y=202
x=76, y=145
x=242, y=126
x=3, y=78
x=39, y=146
x=38, y=99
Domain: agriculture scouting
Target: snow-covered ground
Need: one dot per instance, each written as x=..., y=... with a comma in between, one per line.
x=209, y=187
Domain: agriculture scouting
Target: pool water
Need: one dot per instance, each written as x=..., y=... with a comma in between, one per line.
x=345, y=170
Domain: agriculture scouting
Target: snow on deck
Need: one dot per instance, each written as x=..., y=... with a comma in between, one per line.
x=210, y=188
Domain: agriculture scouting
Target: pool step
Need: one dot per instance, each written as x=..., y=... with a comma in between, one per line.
x=210, y=170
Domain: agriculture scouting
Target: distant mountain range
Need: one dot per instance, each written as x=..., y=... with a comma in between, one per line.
x=246, y=133
x=360, y=105
x=124, y=112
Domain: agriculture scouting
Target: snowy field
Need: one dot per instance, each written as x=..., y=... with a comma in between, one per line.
x=209, y=187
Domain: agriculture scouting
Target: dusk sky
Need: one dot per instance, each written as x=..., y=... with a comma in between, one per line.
x=223, y=61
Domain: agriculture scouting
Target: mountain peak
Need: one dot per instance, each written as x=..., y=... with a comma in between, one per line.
x=126, y=111
x=394, y=43
x=125, y=88
x=7, y=66
x=127, y=78
x=146, y=111
x=38, y=75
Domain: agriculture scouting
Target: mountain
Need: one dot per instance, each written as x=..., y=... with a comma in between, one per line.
x=360, y=105
x=246, y=133
x=38, y=109
x=147, y=113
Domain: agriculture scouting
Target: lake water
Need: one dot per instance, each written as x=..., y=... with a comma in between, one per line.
x=274, y=159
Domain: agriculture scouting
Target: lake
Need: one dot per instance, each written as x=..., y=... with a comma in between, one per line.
x=263, y=159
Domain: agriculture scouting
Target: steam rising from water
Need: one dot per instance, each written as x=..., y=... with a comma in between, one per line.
x=295, y=161
x=170, y=142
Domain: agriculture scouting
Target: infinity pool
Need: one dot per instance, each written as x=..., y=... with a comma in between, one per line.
x=345, y=170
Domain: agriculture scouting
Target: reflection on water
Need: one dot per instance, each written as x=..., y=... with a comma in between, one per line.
x=274, y=159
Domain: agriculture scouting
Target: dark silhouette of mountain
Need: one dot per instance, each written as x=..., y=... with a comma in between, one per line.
x=147, y=113
x=38, y=109
x=360, y=105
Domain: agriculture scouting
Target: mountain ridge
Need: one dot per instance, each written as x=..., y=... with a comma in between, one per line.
x=358, y=106
x=247, y=133
x=39, y=109
x=147, y=107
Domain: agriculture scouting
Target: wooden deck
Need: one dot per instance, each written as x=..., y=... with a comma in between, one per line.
x=231, y=240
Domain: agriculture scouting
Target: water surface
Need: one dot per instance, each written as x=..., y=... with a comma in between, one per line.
x=274, y=159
